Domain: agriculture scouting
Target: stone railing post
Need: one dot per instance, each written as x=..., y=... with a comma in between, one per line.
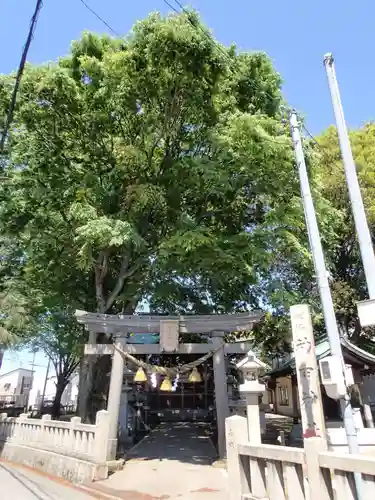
x=45, y=437
x=252, y=390
x=19, y=430
x=235, y=432
x=74, y=421
x=3, y=427
x=319, y=479
x=102, y=450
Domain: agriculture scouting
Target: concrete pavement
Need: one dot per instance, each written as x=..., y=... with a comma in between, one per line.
x=19, y=483
x=174, y=462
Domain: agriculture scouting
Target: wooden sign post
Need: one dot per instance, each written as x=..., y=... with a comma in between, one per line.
x=310, y=397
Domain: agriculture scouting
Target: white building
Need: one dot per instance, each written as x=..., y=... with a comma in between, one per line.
x=22, y=387
x=69, y=397
x=15, y=386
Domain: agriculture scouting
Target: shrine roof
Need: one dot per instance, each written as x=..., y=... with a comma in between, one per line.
x=351, y=352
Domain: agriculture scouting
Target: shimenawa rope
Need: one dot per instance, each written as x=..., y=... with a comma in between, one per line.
x=170, y=372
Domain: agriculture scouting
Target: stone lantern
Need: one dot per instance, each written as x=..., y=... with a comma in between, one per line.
x=251, y=389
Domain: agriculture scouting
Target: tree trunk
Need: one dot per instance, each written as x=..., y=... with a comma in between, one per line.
x=86, y=374
x=94, y=389
x=98, y=395
x=60, y=388
x=80, y=399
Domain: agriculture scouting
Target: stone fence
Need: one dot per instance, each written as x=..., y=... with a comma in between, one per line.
x=71, y=450
x=270, y=472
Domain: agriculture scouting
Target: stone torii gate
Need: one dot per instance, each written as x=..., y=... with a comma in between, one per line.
x=170, y=328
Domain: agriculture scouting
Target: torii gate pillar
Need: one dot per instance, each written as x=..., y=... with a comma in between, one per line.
x=221, y=390
x=114, y=400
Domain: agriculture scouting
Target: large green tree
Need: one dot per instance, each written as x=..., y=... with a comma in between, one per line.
x=347, y=277
x=153, y=167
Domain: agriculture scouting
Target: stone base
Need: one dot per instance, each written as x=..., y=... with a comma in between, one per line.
x=69, y=468
x=220, y=464
x=115, y=465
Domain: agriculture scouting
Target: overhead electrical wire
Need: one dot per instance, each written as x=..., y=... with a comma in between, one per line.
x=219, y=48
x=226, y=55
x=171, y=6
x=33, y=24
x=100, y=18
x=327, y=154
x=207, y=35
x=21, y=67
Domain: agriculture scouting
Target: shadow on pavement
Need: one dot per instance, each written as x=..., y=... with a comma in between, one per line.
x=181, y=441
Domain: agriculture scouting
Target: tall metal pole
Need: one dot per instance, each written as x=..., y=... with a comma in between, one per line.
x=32, y=382
x=324, y=290
x=45, y=385
x=363, y=233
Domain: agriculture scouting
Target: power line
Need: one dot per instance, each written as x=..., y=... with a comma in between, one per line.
x=171, y=6
x=21, y=67
x=253, y=83
x=180, y=5
x=311, y=136
x=321, y=148
x=219, y=48
x=197, y=26
x=100, y=18
x=215, y=44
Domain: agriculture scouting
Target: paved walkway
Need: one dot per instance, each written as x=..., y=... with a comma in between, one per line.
x=174, y=462
x=19, y=483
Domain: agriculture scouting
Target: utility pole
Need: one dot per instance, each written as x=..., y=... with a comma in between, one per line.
x=324, y=290
x=32, y=382
x=363, y=232
x=45, y=385
x=21, y=68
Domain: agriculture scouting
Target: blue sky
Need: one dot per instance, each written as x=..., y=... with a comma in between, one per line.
x=296, y=35
x=24, y=359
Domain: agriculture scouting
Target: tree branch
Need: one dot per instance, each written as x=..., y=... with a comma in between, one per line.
x=72, y=367
x=101, y=269
x=124, y=273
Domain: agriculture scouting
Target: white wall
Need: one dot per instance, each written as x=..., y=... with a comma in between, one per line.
x=11, y=383
x=15, y=386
